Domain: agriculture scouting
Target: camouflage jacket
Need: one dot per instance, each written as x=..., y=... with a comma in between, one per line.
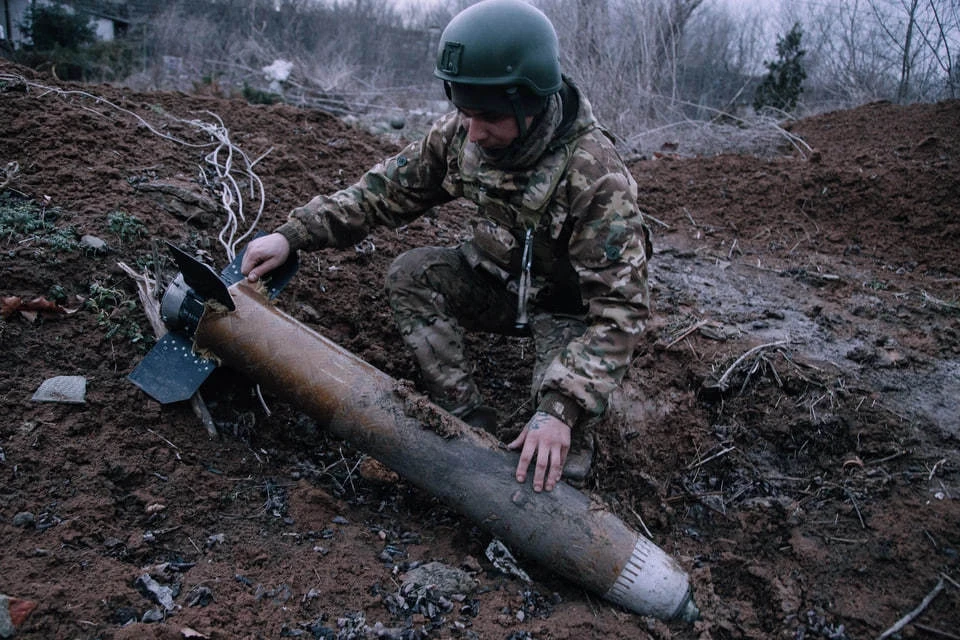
x=590, y=244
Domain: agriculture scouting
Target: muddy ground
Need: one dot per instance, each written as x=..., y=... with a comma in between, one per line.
x=788, y=431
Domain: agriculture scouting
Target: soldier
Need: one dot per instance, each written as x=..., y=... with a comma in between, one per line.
x=559, y=247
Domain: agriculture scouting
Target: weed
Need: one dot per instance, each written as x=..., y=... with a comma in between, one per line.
x=114, y=308
x=19, y=218
x=125, y=226
x=57, y=294
x=153, y=264
x=104, y=299
x=62, y=239
x=24, y=219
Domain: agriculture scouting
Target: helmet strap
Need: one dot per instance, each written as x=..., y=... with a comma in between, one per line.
x=515, y=102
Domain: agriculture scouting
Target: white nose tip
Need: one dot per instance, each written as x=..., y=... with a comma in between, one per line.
x=652, y=583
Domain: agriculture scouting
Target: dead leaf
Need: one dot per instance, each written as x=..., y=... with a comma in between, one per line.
x=187, y=632
x=32, y=308
x=20, y=609
x=9, y=306
x=43, y=305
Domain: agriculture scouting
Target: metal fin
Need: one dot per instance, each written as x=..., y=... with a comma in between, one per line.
x=171, y=371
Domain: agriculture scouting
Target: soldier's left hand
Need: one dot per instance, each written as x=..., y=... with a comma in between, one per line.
x=548, y=439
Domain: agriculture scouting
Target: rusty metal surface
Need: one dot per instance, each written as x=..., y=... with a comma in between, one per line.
x=563, y=529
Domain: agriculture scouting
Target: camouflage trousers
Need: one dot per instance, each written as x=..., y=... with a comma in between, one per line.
x=436, y=296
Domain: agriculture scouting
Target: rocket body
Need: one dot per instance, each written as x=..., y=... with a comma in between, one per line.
x=562, y=530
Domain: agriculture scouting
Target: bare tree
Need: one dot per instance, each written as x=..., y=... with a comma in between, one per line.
x=941, y=42
x=847, y=61
x=861, y=50
x=901, y=36
x=922, y=34
x=721, y=58
x=625, y=53
x=342, y=46
x=643, y=63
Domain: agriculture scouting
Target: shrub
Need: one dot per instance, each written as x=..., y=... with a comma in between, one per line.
x=68, y=43
x=783, y=84
x=53, y=27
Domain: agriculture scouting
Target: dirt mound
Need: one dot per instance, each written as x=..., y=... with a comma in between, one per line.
x=788, y=430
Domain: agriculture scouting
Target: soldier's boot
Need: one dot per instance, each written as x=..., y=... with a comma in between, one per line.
x=482, y=417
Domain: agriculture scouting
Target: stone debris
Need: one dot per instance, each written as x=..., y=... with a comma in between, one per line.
x=162, y=595
x=93, y=244
x=502, y=559
x=62, y=389
x=24, y=519
x=445, y=580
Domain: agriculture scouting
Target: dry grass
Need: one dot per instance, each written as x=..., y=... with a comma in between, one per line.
x=758, y=136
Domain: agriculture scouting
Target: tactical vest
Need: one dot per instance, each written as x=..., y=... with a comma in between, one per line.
x=509, y=203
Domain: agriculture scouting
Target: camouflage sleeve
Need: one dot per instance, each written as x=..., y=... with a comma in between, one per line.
x=392, y=193
x=609, y=250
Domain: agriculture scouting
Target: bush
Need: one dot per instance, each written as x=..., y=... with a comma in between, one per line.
x=68, y=44
x=782, y=86
x=108, y=61
x=259, y=96
x=53, y=27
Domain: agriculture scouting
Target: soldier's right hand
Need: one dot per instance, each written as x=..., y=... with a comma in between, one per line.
x=263, y=255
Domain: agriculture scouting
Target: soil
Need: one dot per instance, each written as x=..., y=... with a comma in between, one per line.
x=788, y=430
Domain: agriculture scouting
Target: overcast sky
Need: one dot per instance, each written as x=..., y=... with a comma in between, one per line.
x=733, y=5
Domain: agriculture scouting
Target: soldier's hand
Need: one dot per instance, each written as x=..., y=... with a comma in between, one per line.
x=263, y=255
x=548, y=440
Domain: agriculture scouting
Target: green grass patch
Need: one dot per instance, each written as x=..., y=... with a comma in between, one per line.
x=125, y=226
x=25, y=220
x=115, y=311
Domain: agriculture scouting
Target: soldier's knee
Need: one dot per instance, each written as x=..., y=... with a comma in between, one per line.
x=410, y=268
x=402, y=270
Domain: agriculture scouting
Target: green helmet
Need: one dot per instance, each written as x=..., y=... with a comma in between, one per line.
x=505, y=43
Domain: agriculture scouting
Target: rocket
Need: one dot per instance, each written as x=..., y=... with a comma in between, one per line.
x=223, y=319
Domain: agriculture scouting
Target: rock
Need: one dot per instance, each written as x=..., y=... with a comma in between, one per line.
x=183, y=199
x=310, y=313
x=200, y=597
x=124, y=615
x=64, y=389
x=93, y=244
x=152, y=615
x=444, y=580
x=161, y=594
x=216, y=540
x=503, y=560
x=24, y=519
